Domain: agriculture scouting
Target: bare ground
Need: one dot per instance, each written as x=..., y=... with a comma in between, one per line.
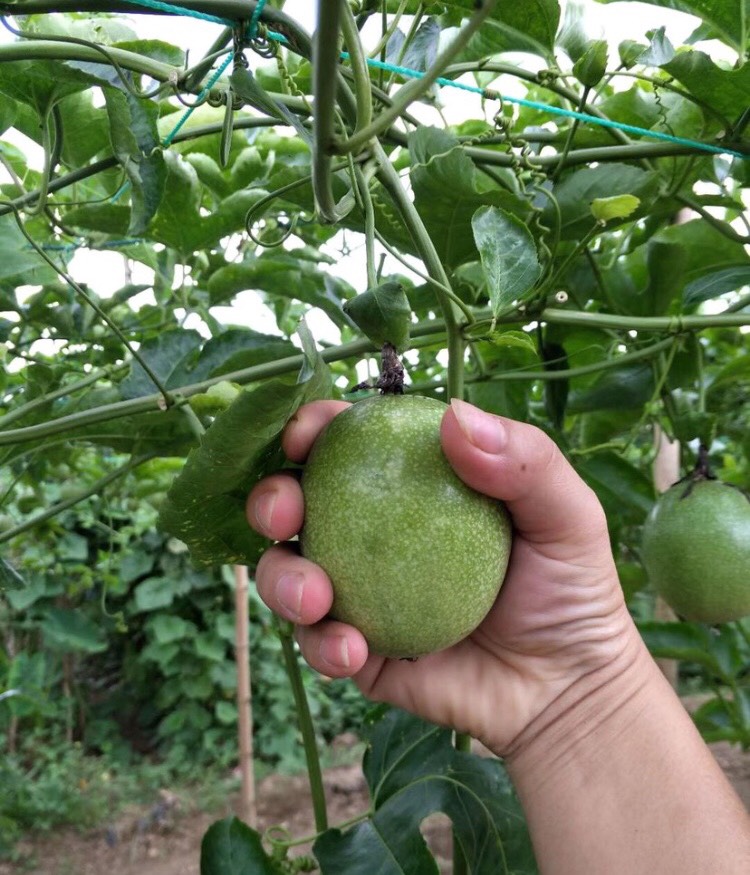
x=172, y=847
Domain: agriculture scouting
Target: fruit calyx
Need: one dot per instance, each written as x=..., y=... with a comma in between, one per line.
x=391, y=379
x=701, y=471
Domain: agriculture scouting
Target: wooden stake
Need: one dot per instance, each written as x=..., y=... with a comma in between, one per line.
x=248, y=809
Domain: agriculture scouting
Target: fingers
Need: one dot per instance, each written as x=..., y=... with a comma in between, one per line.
x=333, y=648
x=301, y=592
x=519, y=464
x=305, y=426
x=292, y=586
x=275, y=507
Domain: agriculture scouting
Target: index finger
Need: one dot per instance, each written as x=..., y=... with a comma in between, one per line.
x=303, y=428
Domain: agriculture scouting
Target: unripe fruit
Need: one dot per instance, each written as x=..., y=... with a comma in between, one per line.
x=696, y=550
x=416, y=557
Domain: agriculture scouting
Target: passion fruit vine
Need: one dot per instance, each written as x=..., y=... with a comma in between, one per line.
x=696, y=548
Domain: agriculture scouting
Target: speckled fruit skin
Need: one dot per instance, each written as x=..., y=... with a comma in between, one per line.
x=415, y=556
x=696, y=551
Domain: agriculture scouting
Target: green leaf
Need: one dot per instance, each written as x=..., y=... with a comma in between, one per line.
x=286, y=275
x=512, y=27
x=40, y=84
x=618, y=207
x=576, y=192
x=622, y=388
x=421, y=50
x=625, y=492
x=590, y=68
x=729, y=279
x=170, y=356
x=686, y=642
x=205, y=506
x=246, y=87
x=10, y=579
x=226, y=713
x=135, y=140
x=238, y=348
x=72, y=631
x=413, y=770
x=572, y=36
x=724, y=16
x=660, y=50
x=154, y=593
x=723, y=90
x=110, y=219
x=230, y=847
x=8, y=113
x=18, y=260
x=508, y=255
x=209, y=646
x=383, y=314
x=447, y=193
x=167, y=628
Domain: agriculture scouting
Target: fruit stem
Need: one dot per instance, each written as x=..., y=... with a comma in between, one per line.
x=391, y=380
x=314, y=774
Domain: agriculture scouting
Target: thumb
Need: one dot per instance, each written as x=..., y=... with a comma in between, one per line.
x=523, y=467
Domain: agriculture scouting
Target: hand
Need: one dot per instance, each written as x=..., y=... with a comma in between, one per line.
x=559, y=623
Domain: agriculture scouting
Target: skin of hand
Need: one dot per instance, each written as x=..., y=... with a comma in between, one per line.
x=558, y=631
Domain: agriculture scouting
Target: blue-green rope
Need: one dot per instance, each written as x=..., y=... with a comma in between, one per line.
x=490, y=94
x=486, y=93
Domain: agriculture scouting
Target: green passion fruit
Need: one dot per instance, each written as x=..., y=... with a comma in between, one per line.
x=415, y=556
x=696, y=550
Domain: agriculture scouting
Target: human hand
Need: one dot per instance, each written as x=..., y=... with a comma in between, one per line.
x=559, y=623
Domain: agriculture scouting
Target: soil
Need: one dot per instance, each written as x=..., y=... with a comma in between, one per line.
x=163, y=837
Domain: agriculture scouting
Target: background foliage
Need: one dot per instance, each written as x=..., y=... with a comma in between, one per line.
x=591, y=280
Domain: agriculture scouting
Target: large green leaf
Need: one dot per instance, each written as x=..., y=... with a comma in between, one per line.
x=40, y=84
x=230, y=847
x=508, y=255
x=724, y=16
x=512, y=27
x=723, y=90
x=622, y=388
x=413, y=770
x=72, y=631
x=447, y=193
x=729, y=279
x=170, y=356
x=286, y=275
x=19, y=263
x=205, y=506
x=135, y=140
x=688, y=642
x=237, y=348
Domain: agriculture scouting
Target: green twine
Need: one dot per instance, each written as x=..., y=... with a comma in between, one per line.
x=408, y=72
x=489, y=94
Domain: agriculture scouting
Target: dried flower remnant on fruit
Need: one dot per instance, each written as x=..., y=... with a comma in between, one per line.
x=391, y=380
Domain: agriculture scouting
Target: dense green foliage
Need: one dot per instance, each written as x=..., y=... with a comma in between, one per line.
x=589, y=279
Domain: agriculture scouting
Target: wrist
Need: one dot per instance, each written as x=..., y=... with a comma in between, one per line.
x=581, y=718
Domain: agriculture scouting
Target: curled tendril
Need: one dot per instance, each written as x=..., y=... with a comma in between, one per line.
x=253, y=214
x=125, y=76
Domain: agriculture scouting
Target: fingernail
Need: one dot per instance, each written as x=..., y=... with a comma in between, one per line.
x=486, y=432
x=264, y=510
x=334, y=650
x=289, y=594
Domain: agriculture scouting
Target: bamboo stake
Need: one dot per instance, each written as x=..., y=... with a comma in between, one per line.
x=248, y=808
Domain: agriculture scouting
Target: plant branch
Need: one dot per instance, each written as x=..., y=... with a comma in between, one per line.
x=360, y=70
x=325, y=80
x=414, y=89
x=426, y=248
x=307, y=729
